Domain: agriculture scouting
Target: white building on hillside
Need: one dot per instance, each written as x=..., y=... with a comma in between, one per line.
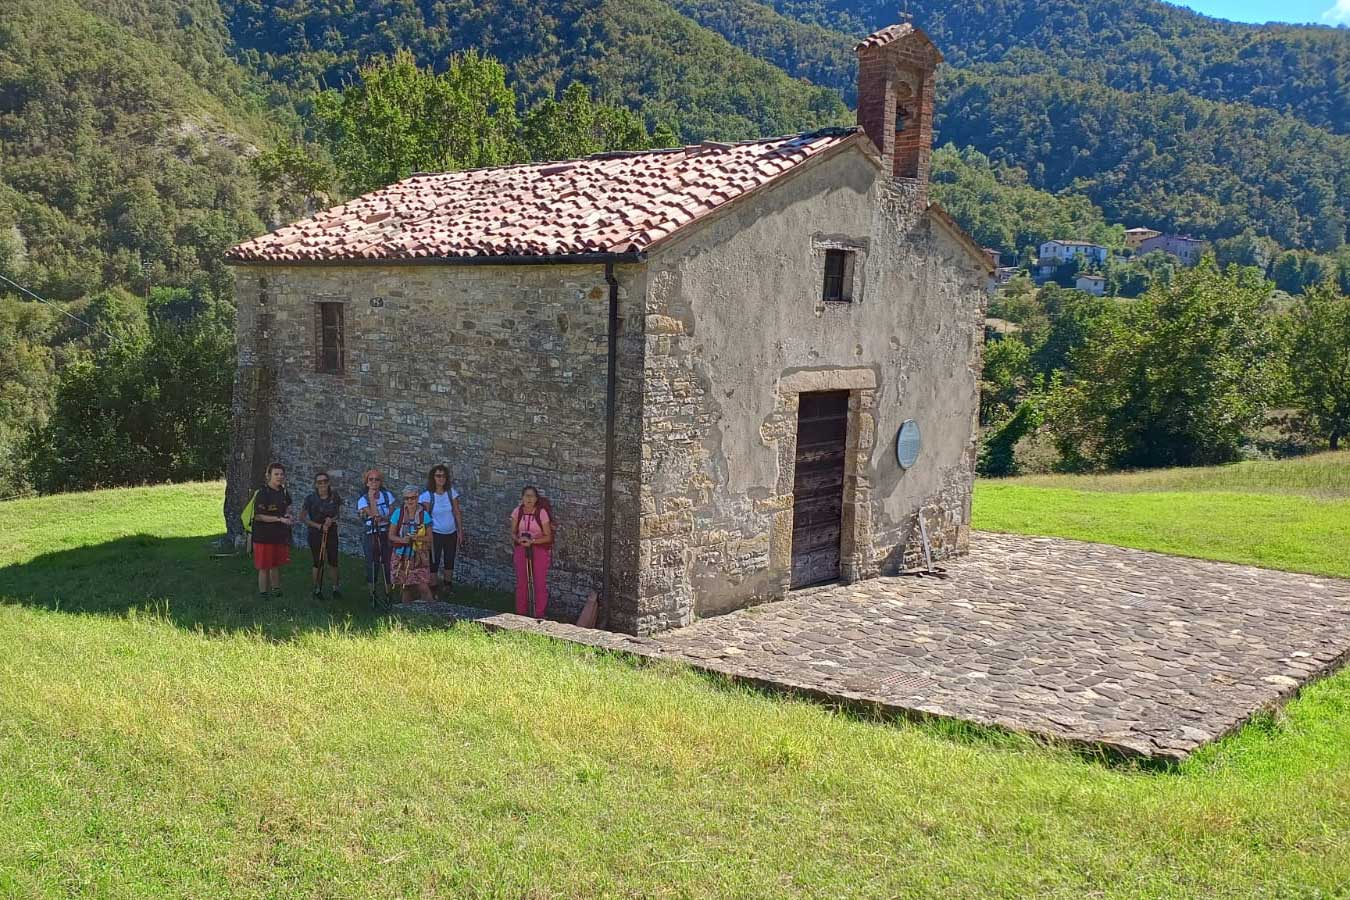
x=1054, y=253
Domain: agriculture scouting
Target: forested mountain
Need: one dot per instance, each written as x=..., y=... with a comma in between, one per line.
x=1124, y=44
x=1169, y=160
x=120, y=163
x=642, y=53
x=126, y=125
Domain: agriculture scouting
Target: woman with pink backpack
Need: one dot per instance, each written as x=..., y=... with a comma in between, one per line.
x=532, y=539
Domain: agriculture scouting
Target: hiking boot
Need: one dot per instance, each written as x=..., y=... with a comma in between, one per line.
x=276, y=594
x=337, y=591
x=318, y=593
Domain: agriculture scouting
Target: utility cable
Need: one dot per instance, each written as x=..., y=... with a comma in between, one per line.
x=59, y=309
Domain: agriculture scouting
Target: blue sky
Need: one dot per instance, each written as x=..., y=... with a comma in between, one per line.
x=1320, y=12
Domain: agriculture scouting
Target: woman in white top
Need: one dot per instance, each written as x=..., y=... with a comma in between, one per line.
x=441, y=499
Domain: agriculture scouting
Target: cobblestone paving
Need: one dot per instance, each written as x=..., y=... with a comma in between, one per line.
x=1137, y=652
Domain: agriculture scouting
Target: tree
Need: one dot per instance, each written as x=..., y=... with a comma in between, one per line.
x=1070, y=316
x=997, y=457
x=1005, y=378
x=1179, y=379
x=401, y=118
x=153, y=407
x=1287, y=272
x=27, y=376
x=1319, y=361
x=575, y=127
x=302, y=181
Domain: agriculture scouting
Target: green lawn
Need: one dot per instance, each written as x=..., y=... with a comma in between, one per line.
x=161, y=734
x=1291, y=514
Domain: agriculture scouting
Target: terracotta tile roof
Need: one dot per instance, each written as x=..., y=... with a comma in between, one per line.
x=884, y=36
x=892, y=33
x=607, y=203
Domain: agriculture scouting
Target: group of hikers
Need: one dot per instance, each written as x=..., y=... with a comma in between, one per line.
x=409, y=544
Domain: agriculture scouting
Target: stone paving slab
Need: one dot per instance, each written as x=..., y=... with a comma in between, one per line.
x=1135, y=652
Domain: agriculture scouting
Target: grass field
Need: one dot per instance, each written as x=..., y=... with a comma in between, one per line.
x=1291, y=514
x=163, y=734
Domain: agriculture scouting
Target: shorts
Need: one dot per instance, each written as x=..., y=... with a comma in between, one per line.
x=443, y=547
x=316, y=544
x=270, y=556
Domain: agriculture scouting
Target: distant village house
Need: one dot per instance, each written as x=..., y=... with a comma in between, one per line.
x=1056, y=253
x=1136, y=236
x=1093, y=284
x=1186, y=249
x=735, y=369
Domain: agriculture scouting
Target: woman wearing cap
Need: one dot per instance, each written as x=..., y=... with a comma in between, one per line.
x=373, y=508
x=410, y=533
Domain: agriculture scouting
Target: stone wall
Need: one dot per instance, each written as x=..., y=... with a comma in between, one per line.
x=736, y=329
x=498, y=371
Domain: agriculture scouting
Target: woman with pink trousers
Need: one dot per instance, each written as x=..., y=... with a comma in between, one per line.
x=532, y=537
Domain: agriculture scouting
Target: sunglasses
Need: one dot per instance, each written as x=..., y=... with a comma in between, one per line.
x=320, y=480
x=441, y=475
x=373, y=480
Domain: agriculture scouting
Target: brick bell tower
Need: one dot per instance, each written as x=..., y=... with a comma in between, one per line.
x=896, y=73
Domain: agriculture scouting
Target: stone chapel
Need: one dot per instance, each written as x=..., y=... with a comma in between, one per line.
x=735, y=369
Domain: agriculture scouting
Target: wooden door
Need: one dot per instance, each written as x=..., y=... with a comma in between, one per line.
x=818, y=486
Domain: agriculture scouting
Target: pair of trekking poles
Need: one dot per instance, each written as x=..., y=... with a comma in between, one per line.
x=323, y=560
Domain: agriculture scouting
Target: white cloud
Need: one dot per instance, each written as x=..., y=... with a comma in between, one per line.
x=1338, y=14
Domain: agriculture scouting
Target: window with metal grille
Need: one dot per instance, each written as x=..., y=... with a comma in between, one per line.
x=839, y=276
x=328, y=334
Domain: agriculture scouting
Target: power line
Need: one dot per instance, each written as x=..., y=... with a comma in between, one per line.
x=59, y=309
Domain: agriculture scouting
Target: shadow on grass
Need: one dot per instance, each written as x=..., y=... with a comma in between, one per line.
x=181, y=580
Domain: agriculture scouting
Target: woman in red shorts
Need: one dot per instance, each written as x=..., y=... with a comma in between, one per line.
x=272, y=531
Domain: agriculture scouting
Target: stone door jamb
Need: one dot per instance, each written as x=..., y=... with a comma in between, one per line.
x=855, y=551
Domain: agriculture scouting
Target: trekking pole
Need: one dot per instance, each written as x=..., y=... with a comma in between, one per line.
x=529, y=580
x=323, y=556
x=384, y=568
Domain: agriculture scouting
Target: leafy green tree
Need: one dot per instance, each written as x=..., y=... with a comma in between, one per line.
x=1179, y=379
x=576, y=126
x=1246, y=249
x=1070, y=316
x=401, y=118
x=27, y=378
x=1319, y=362
x=151, y=408
x=293, y=171
x=997, y=457
x=1005, y=378
x=1066, y=274
x=1127, y=279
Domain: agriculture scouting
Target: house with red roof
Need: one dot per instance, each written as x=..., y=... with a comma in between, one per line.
x=736, y=369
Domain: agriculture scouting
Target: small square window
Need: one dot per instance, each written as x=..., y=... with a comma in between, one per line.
x=839, y=276
x=329, y=337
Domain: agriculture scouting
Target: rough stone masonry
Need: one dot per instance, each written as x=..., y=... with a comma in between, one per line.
x=475, y=330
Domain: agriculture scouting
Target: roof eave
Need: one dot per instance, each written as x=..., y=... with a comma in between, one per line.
x=943, y=218
x=524, y=259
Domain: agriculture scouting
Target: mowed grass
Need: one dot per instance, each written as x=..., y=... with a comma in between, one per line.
x=1322, y=475
x=162, y=735
x=1288, y=514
